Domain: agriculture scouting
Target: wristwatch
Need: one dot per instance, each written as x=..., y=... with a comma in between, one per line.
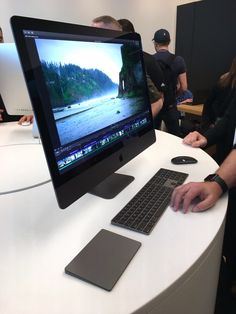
x=216, y=178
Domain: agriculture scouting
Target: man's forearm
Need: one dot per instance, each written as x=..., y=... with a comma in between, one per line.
x=227, y=170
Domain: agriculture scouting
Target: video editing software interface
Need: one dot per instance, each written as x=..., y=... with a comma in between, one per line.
x=94, y=93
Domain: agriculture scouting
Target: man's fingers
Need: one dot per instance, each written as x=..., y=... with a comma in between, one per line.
x=180, y=197
x=203, y=205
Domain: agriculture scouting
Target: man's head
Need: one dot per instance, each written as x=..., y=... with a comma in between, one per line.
x=106, y=21
x=161, y=37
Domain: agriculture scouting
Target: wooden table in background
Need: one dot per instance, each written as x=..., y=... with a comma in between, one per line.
x=191, y=109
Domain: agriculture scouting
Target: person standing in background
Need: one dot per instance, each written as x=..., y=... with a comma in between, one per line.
x=219, y=127
x=4, y=116
x=1, y=41
x=174, y=69
x=220, y=98
x=218, y=118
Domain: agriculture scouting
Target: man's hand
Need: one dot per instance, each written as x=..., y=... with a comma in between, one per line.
x=184, y=196
x=28, y=118
x=195, y=139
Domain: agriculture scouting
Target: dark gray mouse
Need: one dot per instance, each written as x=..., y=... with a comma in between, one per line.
x=180, y=160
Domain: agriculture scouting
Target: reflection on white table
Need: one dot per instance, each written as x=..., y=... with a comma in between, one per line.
x=174, y=271
x=21, y=158
x=13, y=133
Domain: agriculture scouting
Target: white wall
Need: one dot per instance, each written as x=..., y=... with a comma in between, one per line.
x=146, y=15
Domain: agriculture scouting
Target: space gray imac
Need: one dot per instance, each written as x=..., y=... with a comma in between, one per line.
x=89, y=95
x=12, y=83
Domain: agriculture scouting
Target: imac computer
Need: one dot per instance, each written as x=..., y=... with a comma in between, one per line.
x=89, y=94
x=13, y=88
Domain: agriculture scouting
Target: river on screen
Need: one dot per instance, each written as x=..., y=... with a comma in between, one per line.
x=79, y=120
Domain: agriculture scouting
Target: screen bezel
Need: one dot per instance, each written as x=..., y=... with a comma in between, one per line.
x=71, y=185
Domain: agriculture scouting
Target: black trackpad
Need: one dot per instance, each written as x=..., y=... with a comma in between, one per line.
x=103, y=259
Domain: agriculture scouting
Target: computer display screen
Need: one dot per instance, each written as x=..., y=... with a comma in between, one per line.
x=89, y=93
x=89, y=102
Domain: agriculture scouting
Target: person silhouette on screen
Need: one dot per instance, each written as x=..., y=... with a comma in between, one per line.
x=108, y=22
x=154, y=73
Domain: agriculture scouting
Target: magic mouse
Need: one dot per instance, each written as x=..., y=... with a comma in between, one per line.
x=25, y=123
x=179, y=160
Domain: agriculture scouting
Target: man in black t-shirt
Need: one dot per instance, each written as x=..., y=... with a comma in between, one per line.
x=177, y=67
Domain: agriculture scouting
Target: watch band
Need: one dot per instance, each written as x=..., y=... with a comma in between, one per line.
x=216, y=178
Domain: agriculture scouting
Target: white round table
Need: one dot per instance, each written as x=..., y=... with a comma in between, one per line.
x=175, y=270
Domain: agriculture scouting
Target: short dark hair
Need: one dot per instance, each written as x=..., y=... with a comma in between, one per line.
x=126, y=25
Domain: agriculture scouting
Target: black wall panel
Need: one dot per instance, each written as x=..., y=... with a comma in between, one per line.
x=184, y=33
x=206, y=38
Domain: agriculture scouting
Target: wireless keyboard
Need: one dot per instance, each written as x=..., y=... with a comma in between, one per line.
x=146, y=207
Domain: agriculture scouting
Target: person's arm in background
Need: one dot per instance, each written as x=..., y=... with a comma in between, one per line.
x=1, y=111
x=1, y=41
x=182, y=82
x=2, y=108
x=215, y=134
x=5, y=117
x=208, y=114
x=206, y=193
x=1, y=36
x=211, y=136
x=28, y=118
x=155, y=96
x=156, y=107
x=195, y=139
